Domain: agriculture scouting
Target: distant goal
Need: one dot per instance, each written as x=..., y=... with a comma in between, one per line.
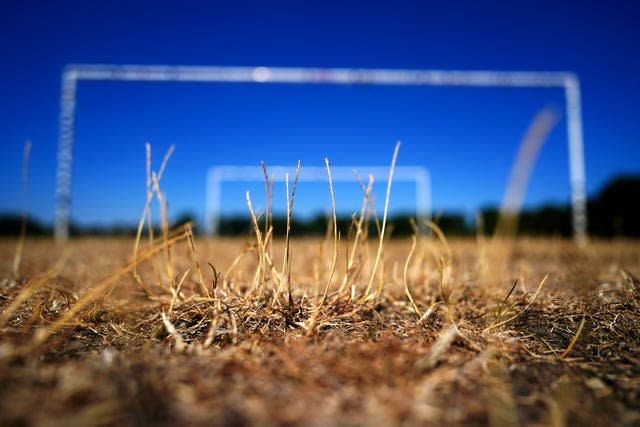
x=217, y=176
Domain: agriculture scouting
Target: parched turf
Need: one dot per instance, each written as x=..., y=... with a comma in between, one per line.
x=82, y=342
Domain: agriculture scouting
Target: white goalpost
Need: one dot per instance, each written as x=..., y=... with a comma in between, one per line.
x=217, y=175
x=72, y=74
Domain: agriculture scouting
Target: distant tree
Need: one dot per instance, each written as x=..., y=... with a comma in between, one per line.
x=10, y=226
x=401, y=225
x=548, y=220
x=235, y=226
x=616, y=209
x=454, y=224
x=489, y=217
x=184, y=218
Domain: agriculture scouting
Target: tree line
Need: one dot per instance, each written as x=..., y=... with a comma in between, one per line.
x=613, y=212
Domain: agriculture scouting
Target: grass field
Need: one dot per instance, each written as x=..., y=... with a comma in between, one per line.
x=167, y=329
x=99, y=339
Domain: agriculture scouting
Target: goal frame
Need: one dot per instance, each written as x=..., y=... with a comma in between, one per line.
x=217, y=175
x=74, y=73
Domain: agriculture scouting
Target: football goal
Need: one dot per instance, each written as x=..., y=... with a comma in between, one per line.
x=73, y=74
x=219, y=175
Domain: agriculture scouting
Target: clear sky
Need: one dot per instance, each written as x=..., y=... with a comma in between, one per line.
x=466, y=137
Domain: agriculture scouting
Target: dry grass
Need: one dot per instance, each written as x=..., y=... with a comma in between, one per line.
x=81, y=344
x=463, y=332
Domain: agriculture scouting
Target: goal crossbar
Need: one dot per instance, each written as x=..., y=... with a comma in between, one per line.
x=217, y=175
x=74, y=73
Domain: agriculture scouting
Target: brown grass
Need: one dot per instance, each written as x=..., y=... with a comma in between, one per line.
x=464, y=332
x=83, y=344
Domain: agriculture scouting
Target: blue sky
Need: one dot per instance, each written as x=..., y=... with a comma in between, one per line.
x=466, y=137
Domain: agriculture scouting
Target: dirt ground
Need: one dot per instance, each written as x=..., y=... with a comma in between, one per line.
x=214, y=337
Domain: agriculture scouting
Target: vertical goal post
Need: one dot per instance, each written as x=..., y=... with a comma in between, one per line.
x=217, y=175
x=74, y=73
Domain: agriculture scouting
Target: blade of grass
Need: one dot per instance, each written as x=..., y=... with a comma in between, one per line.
x=164, y=220
x=444, y=262
x=194, y=259
x=500, y=311
x=171, y=330
x=365, y=295
x=314, y=317
x=518, y=314
x=573, y=342
x=406, y=281
x=286, y=263
x=17, y=259
x=146, y=212
x=261, y=272
x=269, y=202
x=176, y=291
x=358, y=236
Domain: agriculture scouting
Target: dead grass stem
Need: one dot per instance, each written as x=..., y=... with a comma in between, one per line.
x=518, y=314
x=359, y=238
x=444, y=262
x=17, y=258
x=260, y=274
x=194, y=259
x=366, y=296
x=153, y=182
x=406, y=280
x=574, y=340
x=286, y=261
x=314, y=317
